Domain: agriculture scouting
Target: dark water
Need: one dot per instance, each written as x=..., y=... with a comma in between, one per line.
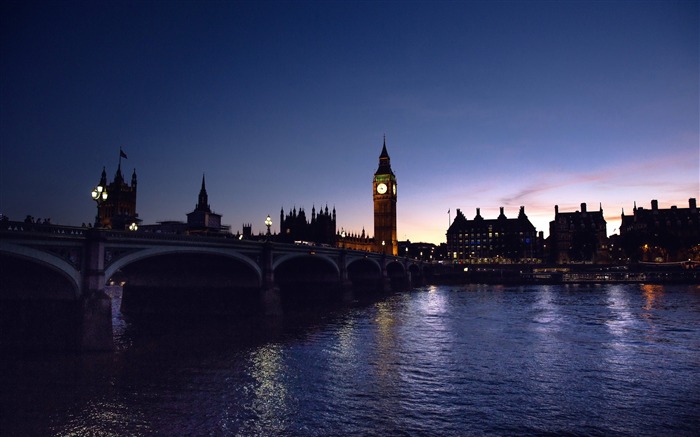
x=475, y=360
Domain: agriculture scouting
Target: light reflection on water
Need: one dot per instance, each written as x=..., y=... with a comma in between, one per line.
x=270, y=404
x=473, y=360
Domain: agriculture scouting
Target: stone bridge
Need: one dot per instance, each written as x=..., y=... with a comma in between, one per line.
x=53, y=278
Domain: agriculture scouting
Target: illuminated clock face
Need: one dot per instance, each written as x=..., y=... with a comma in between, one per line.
x=394, y=187
x=381, y=188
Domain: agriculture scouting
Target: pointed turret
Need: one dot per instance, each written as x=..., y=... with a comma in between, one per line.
x=203, y=201
x=103, y=178
x=118, y=178
x=384, y=161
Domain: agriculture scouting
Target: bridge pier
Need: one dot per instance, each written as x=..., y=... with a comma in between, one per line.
x=95, y=305
x=407, y=281
x=270, y=296
x=345, y=282
x=96, y=323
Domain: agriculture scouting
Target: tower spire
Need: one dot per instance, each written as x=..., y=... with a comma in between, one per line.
x=384, y=161
x=103, y=178
x=203, y=201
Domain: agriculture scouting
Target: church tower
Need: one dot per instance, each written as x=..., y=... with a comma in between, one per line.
x=118, y=211
x=384, y=195
x=202, y=220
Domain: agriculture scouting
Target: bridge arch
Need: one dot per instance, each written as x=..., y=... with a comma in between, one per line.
x=40, y=301
x=286, y=258
x=395, y=268
x=46, y=260
x=159, y=251
x=306, y=280
x=362, y=260
x=184, y=281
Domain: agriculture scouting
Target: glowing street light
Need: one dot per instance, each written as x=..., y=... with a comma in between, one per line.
x=133, y=227
x=99, y=195
x=268, y=223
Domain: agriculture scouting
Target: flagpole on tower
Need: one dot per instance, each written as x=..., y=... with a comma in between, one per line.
x=121, y=155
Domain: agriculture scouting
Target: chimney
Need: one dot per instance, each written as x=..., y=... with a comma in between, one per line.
x=654, y=205
x=692, y=204
x=556, y=209
x=583, y=207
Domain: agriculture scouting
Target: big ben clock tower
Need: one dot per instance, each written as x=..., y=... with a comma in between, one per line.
x=384, y=195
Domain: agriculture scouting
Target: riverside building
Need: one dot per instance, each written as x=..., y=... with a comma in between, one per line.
x=662, y=235
x=499, y=240
x=578, y=237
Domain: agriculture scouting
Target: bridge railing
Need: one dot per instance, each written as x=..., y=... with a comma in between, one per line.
x=7, y=226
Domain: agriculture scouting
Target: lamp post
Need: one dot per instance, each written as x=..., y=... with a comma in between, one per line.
x=133, y=227
x=383, y=247
x=268, y=223
x=99, y=195
x=342, y=238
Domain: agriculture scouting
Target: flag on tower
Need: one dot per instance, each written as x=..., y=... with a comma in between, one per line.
x=122, y=154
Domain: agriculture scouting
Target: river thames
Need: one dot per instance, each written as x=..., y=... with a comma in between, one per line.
x=593, y=360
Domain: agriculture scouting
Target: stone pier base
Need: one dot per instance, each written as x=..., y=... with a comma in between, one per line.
x=271, y=301
x=347, y=295
x=96, y=323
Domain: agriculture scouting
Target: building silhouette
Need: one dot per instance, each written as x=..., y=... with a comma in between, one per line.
x=499, y=240
x=384, y=196
x=118, y=211
x=355, y=241
x=423, y=251
x=203, y=221
x=578, y=237
x=662, y=235
x=319, y=229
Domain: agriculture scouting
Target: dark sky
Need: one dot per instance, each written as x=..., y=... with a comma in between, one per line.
x=284, y=104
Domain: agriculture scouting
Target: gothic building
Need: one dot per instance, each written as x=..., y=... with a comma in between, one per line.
x=118, y=211
x=578, y=237
x=320, y=229
x=202, y=220
x=500, y=240
x=662, y=235
x=354, y=241
x=384, y=195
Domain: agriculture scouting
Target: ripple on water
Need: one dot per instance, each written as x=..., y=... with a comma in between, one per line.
x=473, y=360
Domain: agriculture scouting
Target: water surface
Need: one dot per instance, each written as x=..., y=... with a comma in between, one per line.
x=471, y=360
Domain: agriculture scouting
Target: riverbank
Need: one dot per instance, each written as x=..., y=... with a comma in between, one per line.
x=519, y=274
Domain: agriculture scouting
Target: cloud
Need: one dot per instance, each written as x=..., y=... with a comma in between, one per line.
x=646, y=174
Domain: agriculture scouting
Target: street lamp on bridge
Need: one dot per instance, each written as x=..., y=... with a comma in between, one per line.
x=268, y=223
x=99, y=195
